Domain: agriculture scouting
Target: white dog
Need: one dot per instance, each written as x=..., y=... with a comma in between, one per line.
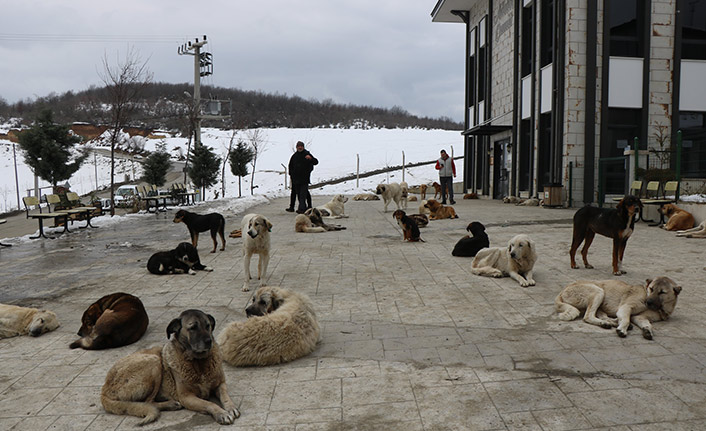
x=516, y=260
x=334, y=208
x=281, y=327
x=256, y=239
x=390, y=192
x=423, y=207
x=697, y=232
x=16, y=320
x=405, y=194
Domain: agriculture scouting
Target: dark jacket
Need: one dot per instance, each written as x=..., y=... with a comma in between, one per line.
x=300, y=168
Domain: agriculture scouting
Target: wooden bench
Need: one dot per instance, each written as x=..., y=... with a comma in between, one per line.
x=151, y=199
x=669, y=187
x=32, y=203
x=75, y=213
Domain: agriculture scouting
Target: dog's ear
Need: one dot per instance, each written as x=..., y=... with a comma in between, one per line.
x=269, y=225
x=648, y=281
x=212, y=320
x=677, y=290
x=174, y=327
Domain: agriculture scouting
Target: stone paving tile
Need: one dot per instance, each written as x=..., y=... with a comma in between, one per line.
x=410, y=338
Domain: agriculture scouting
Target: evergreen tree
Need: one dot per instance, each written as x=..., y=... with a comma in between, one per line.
x=239, y=158
x=204, y=167
x=156, y=166
x=47, y=149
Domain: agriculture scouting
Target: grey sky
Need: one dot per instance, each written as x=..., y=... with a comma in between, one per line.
x=380, y=53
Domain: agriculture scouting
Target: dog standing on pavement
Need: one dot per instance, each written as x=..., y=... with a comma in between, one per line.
x=410, y=230
x=469, y=246
x=201, y=223
x=184, y=373
x=616, y=223
x=437, y=189
x=613, y=303
x=256, y=240
x=390, y=192
x=423, y=192
x=114, y=320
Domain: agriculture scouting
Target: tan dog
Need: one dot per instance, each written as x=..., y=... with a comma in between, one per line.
x=15, y=320
x=366, y=197
x=438, y=211
x=412, y=199
x=334, y=208
x=183, y=373
x=281, y=327
x=302, y=223
x=114, y=320
x=678, y=219
x=257, y=241
x=697, y=232
x=423, y=207
x=423, y=192
x=405, y=194
x=618, y=303
x=390, y=192
x=516, y=260
x=437, y=189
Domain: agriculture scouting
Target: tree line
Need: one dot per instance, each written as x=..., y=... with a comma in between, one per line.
x=166, y=106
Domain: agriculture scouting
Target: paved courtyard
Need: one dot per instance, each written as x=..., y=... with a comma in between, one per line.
x=411, y=340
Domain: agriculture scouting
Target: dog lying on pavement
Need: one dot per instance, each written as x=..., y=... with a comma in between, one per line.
x=114, y=320
x=184, y=259
x=314, y=216
x=469, y=246
x=183, y=373
x=281, y=327
x=439, y=211
x=334, y=208
x=516, y=260
x=697, y=232
x=16, y=320
x=677, y=218
x=612, y=303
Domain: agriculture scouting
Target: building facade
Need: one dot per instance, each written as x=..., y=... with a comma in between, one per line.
x=558, y=93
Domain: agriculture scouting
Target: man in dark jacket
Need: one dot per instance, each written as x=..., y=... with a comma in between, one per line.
x=300, y=166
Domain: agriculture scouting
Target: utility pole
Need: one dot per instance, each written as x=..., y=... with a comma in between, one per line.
x=202, y=67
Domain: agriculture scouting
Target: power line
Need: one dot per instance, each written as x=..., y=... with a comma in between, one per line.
x=145, y=38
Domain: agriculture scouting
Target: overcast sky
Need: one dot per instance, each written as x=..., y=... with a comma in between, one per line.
x=381, y=53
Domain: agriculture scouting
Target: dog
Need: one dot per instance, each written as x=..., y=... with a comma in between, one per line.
x=201, y=223
x=516, y=260
x=184, y=259
x=410, y=229
x=366, y=197
x=423, y=209
x=16, y=320
x=437, y=189
x=421, y=219
x=697, y=232
x=184, y=373
x=411, y=199
x=334, y=208
x=257, y=241
x=423, y=192
x=302, y=223
x=405, y=195
x=617, y=223
x=512, y=200
x=314, y=216
x=619, y=303
x=390, y=192
x=471, y=196
x=468, y=246
x=677, y=218
x=114, y=320
x=281, y=327
x=531, y=202
x=438, y=211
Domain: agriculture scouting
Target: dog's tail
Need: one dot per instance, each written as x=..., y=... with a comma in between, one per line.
x=566, y=311
x=149, y=412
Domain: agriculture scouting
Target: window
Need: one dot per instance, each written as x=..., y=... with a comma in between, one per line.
x=482, y=65
x=527, y=36
x=693, y=29
x=693, y=127
x=626, y=19
x=547, y=28
x=472, y=68
x=544, y=151
x=524, y=153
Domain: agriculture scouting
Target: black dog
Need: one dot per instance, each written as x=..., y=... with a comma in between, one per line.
x=201, y=223
x=410, y=229
x=617, y=223
x=182, y=260
x=468, y=246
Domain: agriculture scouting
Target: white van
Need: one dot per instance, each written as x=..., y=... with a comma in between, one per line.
x=126, y=195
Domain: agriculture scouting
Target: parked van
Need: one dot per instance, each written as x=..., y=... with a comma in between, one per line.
x=126, y=195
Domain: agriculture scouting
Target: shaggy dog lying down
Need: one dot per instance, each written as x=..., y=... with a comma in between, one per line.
x=281, y=327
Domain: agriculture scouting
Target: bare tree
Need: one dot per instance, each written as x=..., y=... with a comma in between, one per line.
x=124, y=82
x=233, y=134
x=258, y=142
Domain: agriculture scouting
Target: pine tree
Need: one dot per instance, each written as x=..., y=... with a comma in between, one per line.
x=204, y=167
x=156, y=166
x=47, y=149
x=239, y=158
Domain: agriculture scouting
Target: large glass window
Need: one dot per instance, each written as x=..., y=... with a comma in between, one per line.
x=524, y=154
x=544, y=151
x=693, y=29
x=527, y=36
x=693, y=127
x=626, y=19
x=547, y=25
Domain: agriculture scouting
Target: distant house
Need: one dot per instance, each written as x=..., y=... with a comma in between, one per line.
x=557, y=91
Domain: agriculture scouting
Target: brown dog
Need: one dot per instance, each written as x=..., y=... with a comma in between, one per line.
x=677, y=218
x=423, y=191
x=114, y=320
x=437, y=189
x=410, y=229
x=471, y=196
x=184, y=373
x=439, y=211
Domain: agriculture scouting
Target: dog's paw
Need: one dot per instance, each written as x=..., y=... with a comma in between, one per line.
x=531, y=282
x=246, y=287
x=647, y=333
x=208, y=269
x=588, y=266
x=171, y=405
x=618, y=273
x=621, y=333
x=192, y=272
x=225, y=418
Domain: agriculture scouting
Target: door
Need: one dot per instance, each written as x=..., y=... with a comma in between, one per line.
x=501, y=169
